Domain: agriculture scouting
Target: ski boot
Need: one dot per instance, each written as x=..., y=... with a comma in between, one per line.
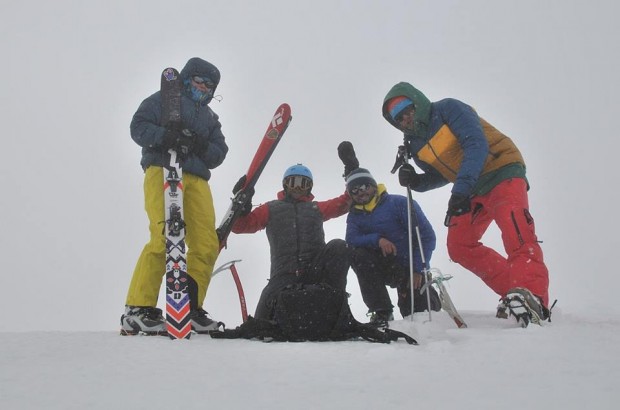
x=524, y=307
x=202, y=323
x=380, y=319
x=143, y=320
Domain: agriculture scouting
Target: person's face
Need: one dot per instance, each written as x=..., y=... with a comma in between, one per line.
x=405, y=119
x=362, y=194
x=297, y=186
x=202, y=84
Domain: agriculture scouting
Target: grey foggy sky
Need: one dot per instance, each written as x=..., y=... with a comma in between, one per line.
x=545, y=73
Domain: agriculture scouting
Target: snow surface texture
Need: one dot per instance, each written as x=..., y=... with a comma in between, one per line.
x=571, y=363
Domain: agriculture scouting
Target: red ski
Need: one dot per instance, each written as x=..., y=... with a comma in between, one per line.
x=275, y=130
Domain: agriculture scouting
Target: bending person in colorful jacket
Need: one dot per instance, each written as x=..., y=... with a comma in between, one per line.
x=378, y=233
x=451, y=143
x=294, y=226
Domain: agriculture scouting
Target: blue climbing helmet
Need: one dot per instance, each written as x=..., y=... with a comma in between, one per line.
x=297, y=179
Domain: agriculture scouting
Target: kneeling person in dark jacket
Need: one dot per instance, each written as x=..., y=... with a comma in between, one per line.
x=377, y=230
x=294, y=226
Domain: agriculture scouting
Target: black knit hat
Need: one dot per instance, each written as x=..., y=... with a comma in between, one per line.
x=359, y=177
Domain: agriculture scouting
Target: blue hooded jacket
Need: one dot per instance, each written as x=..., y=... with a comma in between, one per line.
x=210, y=149
x=388, y=219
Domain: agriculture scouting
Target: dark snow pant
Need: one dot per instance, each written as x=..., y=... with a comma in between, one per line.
x=375, y=271
x=329, y=266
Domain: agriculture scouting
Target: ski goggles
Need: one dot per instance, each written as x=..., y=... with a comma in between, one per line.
x=399, y=117
x=203, y=80
x=360, y=189
x=297, y=183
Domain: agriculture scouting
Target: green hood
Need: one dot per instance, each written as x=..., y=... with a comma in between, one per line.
x=422, y=106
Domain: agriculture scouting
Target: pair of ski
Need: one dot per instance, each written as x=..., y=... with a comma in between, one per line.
x=178, y=322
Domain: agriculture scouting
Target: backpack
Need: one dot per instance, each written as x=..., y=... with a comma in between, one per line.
x=315, y=312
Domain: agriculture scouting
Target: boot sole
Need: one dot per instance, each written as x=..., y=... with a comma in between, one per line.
x=125, y=332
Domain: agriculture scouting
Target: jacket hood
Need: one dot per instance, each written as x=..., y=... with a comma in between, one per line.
x=422, y=106
x=202, y=68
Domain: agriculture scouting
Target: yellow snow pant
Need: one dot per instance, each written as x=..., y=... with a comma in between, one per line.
x=200, y=238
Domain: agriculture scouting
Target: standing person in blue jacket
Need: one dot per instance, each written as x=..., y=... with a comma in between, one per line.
x=378, y=232
x=451, y=143
x=201, y=137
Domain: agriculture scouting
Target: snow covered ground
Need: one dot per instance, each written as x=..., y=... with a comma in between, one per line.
x=571, y=363
x=542, y=72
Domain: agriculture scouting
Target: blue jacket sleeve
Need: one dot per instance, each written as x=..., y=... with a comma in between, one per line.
x=430, y=179
x=356, y=236
x=145, y=129
x=465, y=125
x=217, y=149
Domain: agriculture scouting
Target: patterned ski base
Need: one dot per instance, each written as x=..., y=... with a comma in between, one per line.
x=178, y=323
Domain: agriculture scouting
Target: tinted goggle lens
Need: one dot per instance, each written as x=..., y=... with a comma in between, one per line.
x=359, y=188
x=203, y=80
x=298, y=183
x=400, y=115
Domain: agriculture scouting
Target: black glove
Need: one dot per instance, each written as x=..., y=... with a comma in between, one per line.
x=346, y=153
x=407, y=176
x=246, y=207
x=458, y=205
x=239, y=184
x=187, y=141
x=181, y=141
x=170, y=138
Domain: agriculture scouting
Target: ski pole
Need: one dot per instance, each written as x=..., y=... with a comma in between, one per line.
x=401, y=159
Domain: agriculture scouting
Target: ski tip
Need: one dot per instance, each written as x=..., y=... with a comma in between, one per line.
x=284, y=110
x=170, y=74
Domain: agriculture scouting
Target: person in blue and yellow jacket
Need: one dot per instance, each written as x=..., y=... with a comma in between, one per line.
x=451, y=143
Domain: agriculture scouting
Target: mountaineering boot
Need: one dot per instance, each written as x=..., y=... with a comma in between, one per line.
x=502, y=310
x=421, y=303
x=143, y=320
x=380, y=318
x=201, y=322
x=525, y=307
